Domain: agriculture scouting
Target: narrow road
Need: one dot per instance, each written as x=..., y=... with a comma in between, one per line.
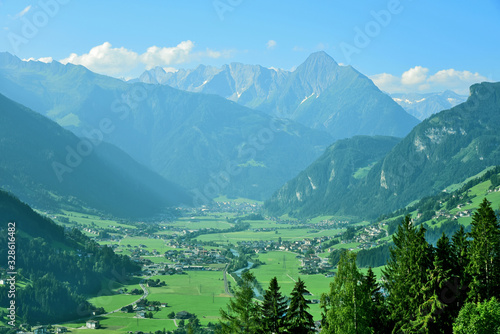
x=144, y=296
x=226, y=285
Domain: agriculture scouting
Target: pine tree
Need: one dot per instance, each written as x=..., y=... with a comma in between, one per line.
x=273, y=309
x=243, y=313
x=349, y=309
x=460, y=250
x=434, y=314
x=406, y=273
x=300, y=321
x=484, y=254
x=377, y=310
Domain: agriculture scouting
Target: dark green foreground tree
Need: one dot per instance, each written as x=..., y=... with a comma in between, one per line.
x=243, y=314
x=484, y=254
x=299, y=319
x=406, y=274
x=274, y=308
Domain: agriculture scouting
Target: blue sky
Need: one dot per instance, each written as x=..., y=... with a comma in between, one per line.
x=403, y=45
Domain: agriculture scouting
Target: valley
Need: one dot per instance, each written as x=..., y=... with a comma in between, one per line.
x=184, y=261
x=241, y=167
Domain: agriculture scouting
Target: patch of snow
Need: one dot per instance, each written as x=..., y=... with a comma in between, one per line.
x=305, y=99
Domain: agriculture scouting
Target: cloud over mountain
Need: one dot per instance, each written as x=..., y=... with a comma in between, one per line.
x=417, y=79
x=119, y=62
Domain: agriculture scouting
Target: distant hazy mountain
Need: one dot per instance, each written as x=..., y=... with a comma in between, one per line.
x=319, y=94
x=444, y=149
x=48, y=167
x=203, y=142
x=424, y=105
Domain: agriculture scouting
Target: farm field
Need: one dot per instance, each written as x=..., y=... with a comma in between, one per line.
x=119, y=323
x=198, y=222
x=284, y=233
x=88, y=219
x=198, y=292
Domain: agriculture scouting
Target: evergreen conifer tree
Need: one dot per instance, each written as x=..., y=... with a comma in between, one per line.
x=406, y=273
x=299, y=319
x=273, y=309
x=243, y=313
x=484, y=254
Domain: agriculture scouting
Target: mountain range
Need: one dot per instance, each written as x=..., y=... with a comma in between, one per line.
x=49, y=167
x=207, y=143
x=444, y=149
x=424, y=105
x=319, y=94
x=204, y=142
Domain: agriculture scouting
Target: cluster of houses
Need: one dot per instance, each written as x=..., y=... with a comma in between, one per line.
x=301, y=246
x=313, y=264
x=196, y=256
x=370, y=235
x=26, y=329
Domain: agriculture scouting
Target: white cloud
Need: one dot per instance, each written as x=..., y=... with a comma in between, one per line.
x=120, y=62
x=452, y=76
x=170, y=69
x=46, y=60
x=23, y=12
x=414, y=76
x=298, y=48
x=386, y=82
x=156, y=56
x=417, y=79
x=105, y=59
x=271, y=44
x=43, y=59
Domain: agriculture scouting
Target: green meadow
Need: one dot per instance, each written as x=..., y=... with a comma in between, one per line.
x=88, y=219
x=198, y=292
x=284, y=234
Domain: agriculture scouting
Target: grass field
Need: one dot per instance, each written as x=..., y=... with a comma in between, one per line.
x=198, y=222
x=87, y=219
x=110, y=301
x=198, y=292
x=120, y=323
x=285, y=234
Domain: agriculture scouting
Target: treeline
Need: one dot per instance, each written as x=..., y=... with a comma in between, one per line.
x=59, y=267
x=453, y=287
